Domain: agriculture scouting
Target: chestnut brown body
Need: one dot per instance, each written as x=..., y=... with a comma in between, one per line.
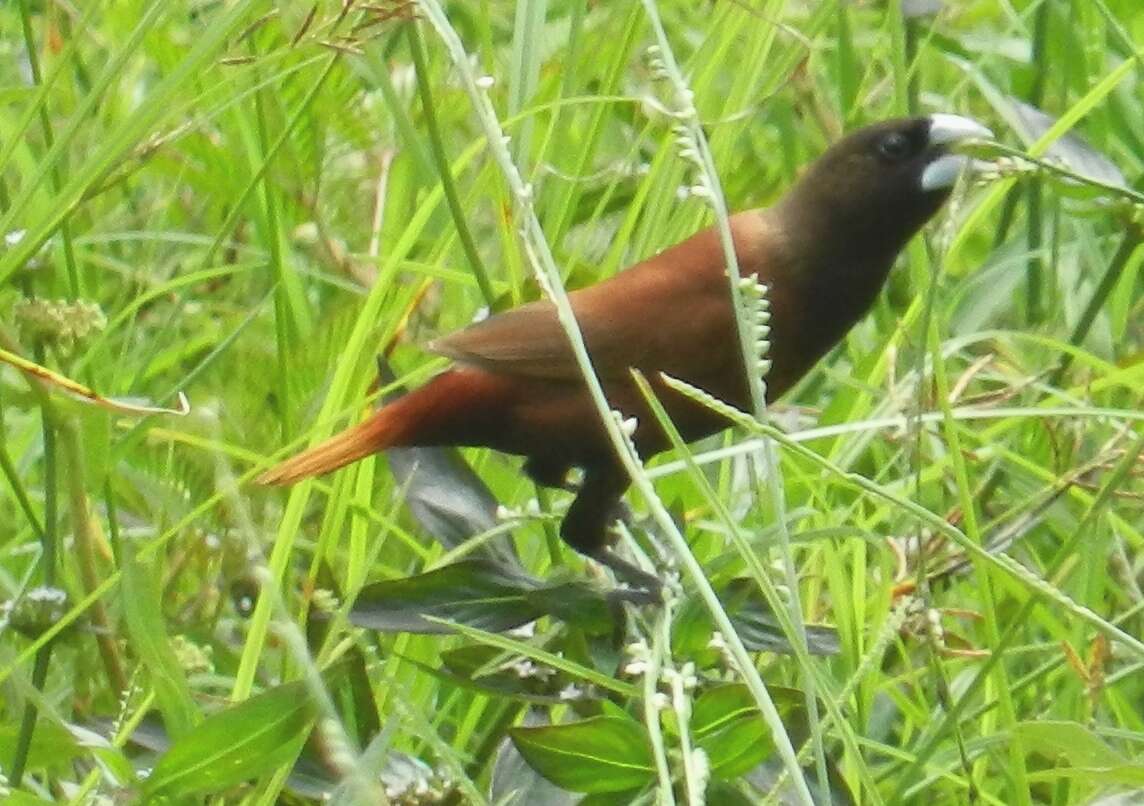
x=823, y=251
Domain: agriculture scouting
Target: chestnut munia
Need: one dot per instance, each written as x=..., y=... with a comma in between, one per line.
x=824, y=251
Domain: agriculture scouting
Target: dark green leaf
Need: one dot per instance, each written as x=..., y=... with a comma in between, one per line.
x=53, y=746
x=602, y=754
x=578, y=603
x=754, y=621
x=475, y=592
x=514, y=783
x=465, y=667
x=725, y=794
x=246, y=741
x=727, y=725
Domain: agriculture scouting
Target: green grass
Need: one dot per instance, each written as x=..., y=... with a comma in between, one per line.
x=262, y=199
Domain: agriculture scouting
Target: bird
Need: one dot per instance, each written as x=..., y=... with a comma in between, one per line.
x=823, y=250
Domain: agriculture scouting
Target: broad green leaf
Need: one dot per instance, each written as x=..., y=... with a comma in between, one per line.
x=726, y=795
x=243, y=742
x=480, y=593
x=727, y=725
x=601, y=754
x=475, y=592
x=502, y=673
x=24, y=799
x=514, y=783
x=578, y=603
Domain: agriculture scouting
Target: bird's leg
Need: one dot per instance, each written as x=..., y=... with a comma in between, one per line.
x=547, y=473
x=553, y=473
x=585, y=526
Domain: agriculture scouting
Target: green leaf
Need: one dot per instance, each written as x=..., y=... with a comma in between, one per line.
x=578, y=603
x=1079, y=752
x=480, y=593
x=602, y=754
x=142, y=606
x=53, y=746
x=494, y=671
x=24, y=799
x=475, y=592
x=514, y=783
x=609, y=798
x=754, y=622
x=726, y=724
x=725, y=795
x=247, y=741
x=1072, y=150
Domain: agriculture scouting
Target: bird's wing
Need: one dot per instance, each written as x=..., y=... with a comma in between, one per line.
x=523, y=341
x=670, y=313
x=530, y=340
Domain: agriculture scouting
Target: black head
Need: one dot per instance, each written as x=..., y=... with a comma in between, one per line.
x=849, y=216
x=873, y=189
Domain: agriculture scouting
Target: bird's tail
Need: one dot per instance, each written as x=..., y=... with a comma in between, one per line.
x=430, y=415
x=356, y=442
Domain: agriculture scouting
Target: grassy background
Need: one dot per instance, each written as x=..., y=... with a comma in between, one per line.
x=252, y=196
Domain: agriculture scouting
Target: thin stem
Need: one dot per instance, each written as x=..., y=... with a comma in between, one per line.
x=48, y=538
x=282, y=304
x=21, y=495
x=28, y=721
x=661, y=645
x=765, y=463
x=1128, y=246
x=74, y=286
x=83, y=524
x=548, y=276
x=1034, y=269
x=460, y=220
x=48, y=553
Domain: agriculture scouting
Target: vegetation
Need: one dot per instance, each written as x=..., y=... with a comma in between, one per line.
x=929, y=555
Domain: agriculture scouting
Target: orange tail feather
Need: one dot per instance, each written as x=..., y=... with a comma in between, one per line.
x=458, y=407
x=356, y=442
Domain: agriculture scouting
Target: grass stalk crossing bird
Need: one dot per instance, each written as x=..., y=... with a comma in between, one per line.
x=824, y=251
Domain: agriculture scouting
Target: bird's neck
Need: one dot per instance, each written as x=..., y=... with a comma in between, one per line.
x=840, y=251
x=832, y=275
x=858, y=241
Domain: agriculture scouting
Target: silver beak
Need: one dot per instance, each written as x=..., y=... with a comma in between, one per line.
x=942, y=173
x=945, y=128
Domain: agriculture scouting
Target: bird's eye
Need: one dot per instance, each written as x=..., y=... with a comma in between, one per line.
x=894, y=146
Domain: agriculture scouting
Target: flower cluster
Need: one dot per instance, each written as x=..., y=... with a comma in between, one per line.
x=62, y=324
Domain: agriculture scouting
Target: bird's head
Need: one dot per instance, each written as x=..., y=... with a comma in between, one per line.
x=873, y=189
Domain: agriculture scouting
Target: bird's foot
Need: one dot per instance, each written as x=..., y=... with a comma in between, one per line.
x=643, y=588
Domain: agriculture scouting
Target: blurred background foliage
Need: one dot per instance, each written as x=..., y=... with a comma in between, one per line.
x=243, y=202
